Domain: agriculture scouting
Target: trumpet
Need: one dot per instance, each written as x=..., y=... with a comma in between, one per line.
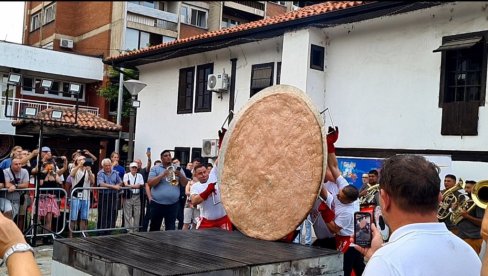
x=171, y=178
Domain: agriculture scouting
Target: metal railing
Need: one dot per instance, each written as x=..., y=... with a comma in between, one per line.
x=17, y=107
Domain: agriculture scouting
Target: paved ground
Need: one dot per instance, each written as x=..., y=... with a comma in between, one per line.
x=44, y=254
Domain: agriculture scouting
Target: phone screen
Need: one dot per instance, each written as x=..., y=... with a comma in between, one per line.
x=362, y=229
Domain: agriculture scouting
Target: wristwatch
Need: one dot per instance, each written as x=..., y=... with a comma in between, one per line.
x=19, y=247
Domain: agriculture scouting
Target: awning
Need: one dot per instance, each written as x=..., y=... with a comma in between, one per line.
x=459, y=44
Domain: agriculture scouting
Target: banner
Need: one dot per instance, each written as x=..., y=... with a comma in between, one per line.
x=352, y=168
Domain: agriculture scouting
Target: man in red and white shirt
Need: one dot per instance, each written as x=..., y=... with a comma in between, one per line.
x=206, y=194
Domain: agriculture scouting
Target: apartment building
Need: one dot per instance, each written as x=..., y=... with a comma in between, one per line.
x=109, y=28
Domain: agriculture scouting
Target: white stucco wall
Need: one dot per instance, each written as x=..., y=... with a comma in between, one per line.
x=380, y=82
x=158, y=124
x=382, y=79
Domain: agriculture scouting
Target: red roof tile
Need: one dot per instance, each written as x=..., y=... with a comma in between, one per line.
x=85, y=120
x=307, y=11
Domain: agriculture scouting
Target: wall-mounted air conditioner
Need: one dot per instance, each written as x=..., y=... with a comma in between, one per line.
x=218, y=82
x=210, y=147
x=66, y=43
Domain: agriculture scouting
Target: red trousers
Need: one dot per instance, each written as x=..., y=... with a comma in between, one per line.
x=223, y=223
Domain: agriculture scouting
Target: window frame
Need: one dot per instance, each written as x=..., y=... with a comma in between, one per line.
x=254, y=90
x=180, y=109
x=45, y=19
x=442, y=86
x=317, y=50
x=202, y=82
x=33, y=90
x=188, y=17
x=33, y=21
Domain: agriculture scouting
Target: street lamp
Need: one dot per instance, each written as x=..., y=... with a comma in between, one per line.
x=134, y=87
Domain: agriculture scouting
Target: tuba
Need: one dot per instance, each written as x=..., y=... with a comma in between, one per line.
x=479, y=197
x=448, y=198
x=464, y=204
x=369, y=196
x=171, y=178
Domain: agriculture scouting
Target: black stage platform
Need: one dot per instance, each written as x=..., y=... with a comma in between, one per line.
x=196, y=252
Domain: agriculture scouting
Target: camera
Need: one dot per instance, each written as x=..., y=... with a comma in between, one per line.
x=88, y=162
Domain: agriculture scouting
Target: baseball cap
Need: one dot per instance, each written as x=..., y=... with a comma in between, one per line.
x=365, y=175
x=133, y=164
x=45, y=149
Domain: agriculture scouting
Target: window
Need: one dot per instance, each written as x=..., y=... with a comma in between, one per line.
x=261, y=77
x=203, y=97
x=227, y=23
x=463, y=82
x=135, y=39
x=59, y=89
x=317, y=57
x=278, y=73
x=193, y=16
x=183, y=154
x=49, y=13
x=35, y=22
x=185, y=90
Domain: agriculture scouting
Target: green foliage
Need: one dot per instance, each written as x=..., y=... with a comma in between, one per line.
x=111, y=90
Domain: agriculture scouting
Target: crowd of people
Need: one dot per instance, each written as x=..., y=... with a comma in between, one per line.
x=407, y=188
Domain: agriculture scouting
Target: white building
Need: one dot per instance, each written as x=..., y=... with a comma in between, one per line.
x=373, y=65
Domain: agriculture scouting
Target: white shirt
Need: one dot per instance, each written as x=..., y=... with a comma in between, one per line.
x=82, y=192
x=133, y=180
x=424, y=249
x=344, y=213
x=209, y=210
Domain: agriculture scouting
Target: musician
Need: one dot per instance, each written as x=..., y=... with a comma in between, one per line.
x=365, y=186
x=165, y=196
x=206, y=193
x=419, y=244
x=450, y=182
x=469, y=228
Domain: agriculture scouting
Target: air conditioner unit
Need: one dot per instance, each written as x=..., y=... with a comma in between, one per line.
x=210, y=147
x=66, y=43
x=218, y=82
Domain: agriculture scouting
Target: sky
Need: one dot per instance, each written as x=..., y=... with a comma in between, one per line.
x=11, y=20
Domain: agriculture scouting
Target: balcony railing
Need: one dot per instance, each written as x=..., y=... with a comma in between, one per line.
x=17, y=107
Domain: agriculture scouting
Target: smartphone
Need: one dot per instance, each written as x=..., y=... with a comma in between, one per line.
x=88, y=162
x=362, y=229
x=148, y=149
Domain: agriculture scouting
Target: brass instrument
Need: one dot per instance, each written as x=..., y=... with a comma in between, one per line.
x=448, y=198
x=479, y=197
x=171, y=178
x=466, y=204
x=480, y=194
x=369, y=196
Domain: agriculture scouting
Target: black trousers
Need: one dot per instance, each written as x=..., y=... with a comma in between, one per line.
x=353, y=260
x=163, y=211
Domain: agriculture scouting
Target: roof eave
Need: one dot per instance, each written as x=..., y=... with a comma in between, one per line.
x=343, y=16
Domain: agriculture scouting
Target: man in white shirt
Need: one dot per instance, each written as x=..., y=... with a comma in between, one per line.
x=339, y=216
x=132, y=205
x=206, y=193
x=83, y=179
x=15, y=178
x=419, y=244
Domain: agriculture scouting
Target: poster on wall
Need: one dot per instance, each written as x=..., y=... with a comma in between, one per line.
x=352, y=168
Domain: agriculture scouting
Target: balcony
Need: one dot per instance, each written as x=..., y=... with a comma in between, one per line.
x=152, y=17
x=17, y=107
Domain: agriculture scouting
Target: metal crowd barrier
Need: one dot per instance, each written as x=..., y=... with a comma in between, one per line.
x=106, y=217
x=105, y=214
x=53, y=205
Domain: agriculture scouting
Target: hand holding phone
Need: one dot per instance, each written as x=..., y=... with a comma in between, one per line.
x=362, y=229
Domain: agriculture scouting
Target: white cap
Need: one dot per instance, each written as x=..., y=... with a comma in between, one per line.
x=133, y=164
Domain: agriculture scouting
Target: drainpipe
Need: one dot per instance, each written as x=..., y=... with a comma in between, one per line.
x=232, y=95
